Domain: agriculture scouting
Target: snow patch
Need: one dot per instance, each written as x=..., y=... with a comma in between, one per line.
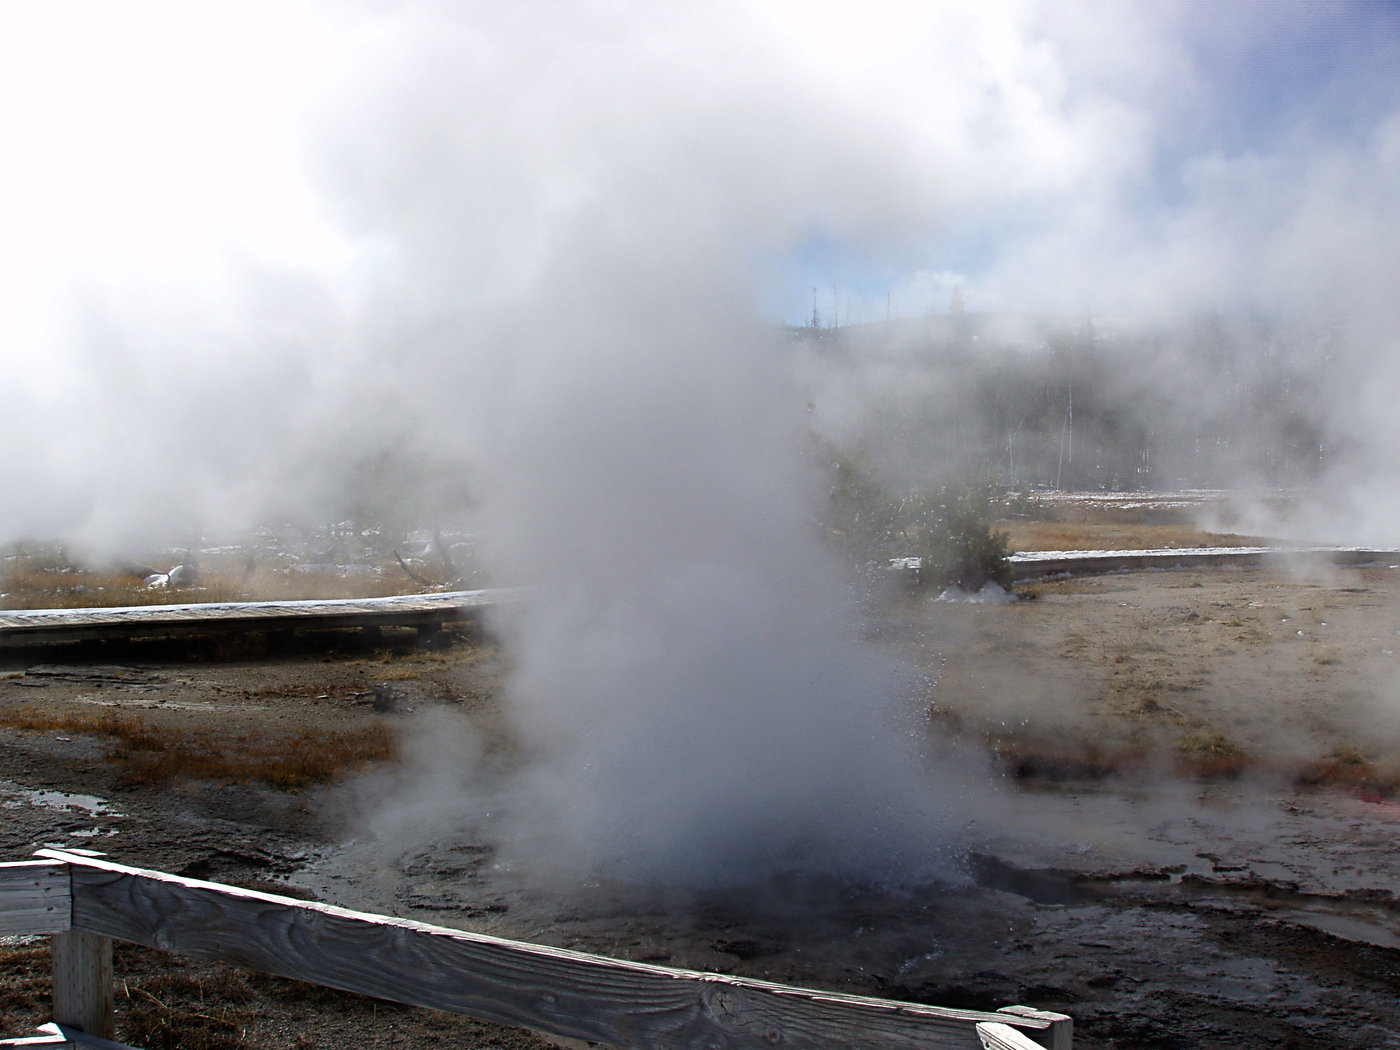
x=990, y=594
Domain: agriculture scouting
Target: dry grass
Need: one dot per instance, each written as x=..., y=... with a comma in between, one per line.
x=390, y=665
x=25, y=988
x=167, y=1003
x=1350, y=769
x=215, y=1008
x=173, y=1011
x=1115, y=535
x=1211, y=756
x=147, y=755
x=1202, y=756
x=78, y=589
x=46, y=586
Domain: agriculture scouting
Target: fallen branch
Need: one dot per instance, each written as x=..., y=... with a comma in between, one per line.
x=411, y=574
x=449, y=570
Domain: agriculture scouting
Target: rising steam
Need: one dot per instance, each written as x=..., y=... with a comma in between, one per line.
x=534, y=260
x=687, y=670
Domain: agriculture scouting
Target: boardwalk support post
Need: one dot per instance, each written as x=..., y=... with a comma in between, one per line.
x=82, y=981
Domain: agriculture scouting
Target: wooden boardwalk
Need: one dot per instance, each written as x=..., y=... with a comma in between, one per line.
x=431, y=612
x=425, y=612
x=1037, y=565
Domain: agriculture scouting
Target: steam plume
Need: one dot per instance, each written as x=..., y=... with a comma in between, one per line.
x=530, y=253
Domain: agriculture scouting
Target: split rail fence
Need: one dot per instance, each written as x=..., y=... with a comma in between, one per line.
x=84, y=901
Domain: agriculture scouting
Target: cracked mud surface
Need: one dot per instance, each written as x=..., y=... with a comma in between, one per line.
x=1162, y=871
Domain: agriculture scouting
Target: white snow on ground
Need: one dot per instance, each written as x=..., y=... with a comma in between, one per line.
x=1161, y=552
x=1132, y=500
x=990, y=594
x=235, y=610
x=1170, y=552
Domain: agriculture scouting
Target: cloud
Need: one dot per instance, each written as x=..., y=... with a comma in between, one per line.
x=377, y=209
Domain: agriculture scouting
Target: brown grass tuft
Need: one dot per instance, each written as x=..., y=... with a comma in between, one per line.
x=37, y=584
x=1202, y=756
x=1348, y=768
x=25, y=988
x=146, y=754
x=1116, y=534
x=177, y=1012
x=1211, y=756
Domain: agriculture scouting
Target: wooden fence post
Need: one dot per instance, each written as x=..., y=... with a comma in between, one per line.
x=82, y=982
x=1003, y=1037
x=1061, y=1026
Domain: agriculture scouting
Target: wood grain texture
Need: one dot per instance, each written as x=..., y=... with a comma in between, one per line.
x=82, y=982
x=560, y=992
x=34, y=898
x=997, y=1036
x=1061, y=1026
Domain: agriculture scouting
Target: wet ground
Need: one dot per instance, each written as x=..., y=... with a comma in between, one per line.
x=1156, y=905
x=1190, y=914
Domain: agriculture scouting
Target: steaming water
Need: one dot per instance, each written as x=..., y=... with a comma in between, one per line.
x=690, y=701
x=754, y=745
x=404, y=269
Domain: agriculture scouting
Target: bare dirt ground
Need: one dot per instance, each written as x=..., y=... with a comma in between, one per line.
x=1180, y=785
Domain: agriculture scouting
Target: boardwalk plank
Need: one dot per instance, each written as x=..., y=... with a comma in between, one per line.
x=37, y=626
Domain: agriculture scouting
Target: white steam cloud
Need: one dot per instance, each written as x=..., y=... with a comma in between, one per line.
x=688, y=669
x=260, y=256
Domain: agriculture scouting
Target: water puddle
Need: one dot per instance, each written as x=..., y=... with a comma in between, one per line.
x=67, y=800
x=15, y=796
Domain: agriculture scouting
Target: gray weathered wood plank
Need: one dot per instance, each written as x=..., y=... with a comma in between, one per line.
x=1061, y=1026
x=1030, y=565
x=997, y=1036
x=446, y=603
x=564, y=993
x=31, y=626
x=34, y=897
x=83, y=996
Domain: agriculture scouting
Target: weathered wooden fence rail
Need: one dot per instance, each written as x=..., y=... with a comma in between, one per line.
x=84, y=902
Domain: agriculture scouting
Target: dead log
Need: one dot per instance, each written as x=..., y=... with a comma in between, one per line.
x=411, y=574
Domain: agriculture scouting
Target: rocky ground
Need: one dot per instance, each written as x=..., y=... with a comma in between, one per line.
x=1178, y=790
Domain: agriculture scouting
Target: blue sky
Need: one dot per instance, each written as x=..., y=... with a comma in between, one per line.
x=1289, y=90
x=886, y=154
